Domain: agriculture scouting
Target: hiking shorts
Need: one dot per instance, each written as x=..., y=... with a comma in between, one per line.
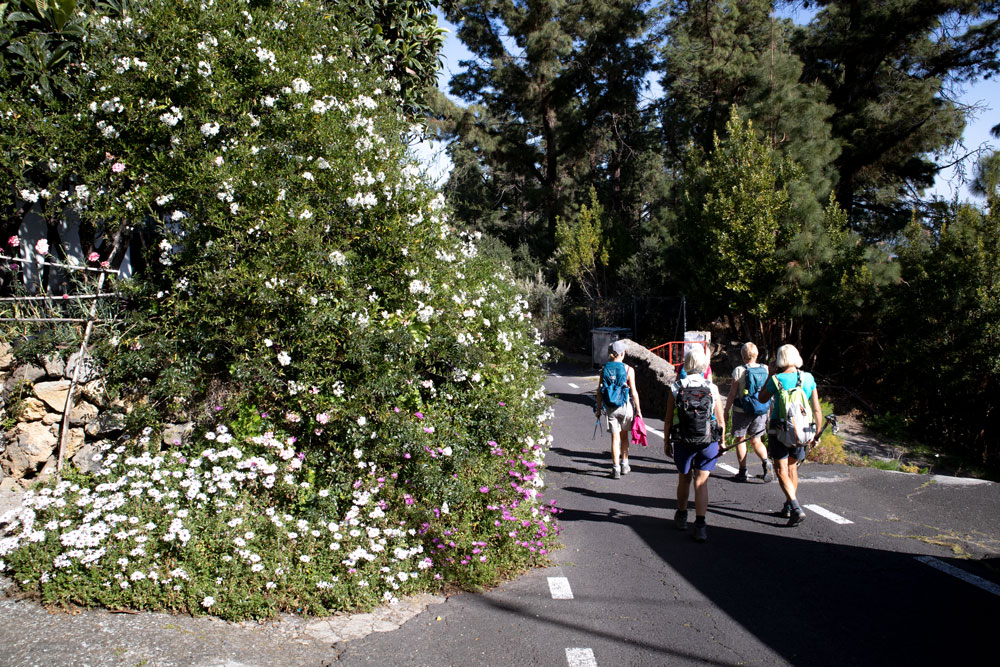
x=777, y=450
x=688, y=458
x=621, y=419
x=744, y=423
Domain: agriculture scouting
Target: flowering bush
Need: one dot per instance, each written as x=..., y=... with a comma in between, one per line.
x=302, y=284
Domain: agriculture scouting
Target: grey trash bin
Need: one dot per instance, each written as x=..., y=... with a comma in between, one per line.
x=601, y=337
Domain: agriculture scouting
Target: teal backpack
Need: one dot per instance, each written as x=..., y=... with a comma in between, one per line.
x=614, y=385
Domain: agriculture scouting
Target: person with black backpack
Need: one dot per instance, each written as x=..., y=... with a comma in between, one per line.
x=693, y=428
x=616, y=394
x=749, y=414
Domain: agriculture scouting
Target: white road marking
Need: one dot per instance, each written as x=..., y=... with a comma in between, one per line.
x=580, y=657
x=575, y=386
x=959, y=573
x=959, y=481
x=555, y=375
x=559, y=587
x=827, y=514
x=727, y=468
x=652, y=430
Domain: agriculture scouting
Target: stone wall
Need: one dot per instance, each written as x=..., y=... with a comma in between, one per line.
x=653, y=377
x=32, y=401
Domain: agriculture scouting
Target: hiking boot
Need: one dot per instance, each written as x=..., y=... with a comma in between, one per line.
x=626, y=468
x=681, y=519
x=796, y=516
x=700, y=532
x=616, y=472
x=741, y=476
x=786, y=510
x=768, y=472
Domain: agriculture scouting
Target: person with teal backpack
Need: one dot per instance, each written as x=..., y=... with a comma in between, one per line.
x=749, y=415
x=789, y=433
x=616, y=394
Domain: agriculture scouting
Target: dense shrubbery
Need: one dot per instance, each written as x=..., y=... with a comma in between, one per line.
x=379, y=381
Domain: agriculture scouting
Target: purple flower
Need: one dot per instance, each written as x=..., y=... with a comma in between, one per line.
x=484, y=489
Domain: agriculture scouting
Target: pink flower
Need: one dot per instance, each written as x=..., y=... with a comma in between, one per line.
x=428, y=429
x=322, y=417
x=105, y=264
x=484, y=489
x=93, y=257
x=118, y=167
x=13, y=241
x=42, y=247
x=418, y=415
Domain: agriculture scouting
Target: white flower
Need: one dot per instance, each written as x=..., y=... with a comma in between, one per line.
x=209, y=129
x=268, y=342
x=283, y=358
x=208, y=601
x=301, y=85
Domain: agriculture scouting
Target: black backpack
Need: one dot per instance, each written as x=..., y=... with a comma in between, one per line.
x=695, y=407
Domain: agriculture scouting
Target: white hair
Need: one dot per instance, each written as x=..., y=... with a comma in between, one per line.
x=788, y=356
x=695, y=360
x=748, y=351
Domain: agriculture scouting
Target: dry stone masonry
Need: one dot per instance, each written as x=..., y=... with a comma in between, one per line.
x=32, y=401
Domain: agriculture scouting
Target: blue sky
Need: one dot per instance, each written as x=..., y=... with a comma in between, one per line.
x=983, y=94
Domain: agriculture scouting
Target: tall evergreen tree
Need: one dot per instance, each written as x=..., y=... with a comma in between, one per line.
x=553, y=93
x=717, y=54
x=886, y=64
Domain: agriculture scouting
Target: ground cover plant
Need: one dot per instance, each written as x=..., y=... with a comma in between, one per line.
x=365, y=385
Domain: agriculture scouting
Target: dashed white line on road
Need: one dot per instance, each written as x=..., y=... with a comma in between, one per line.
x=827, y=514
x=581, y=657
x=575, y=386
x=649, y=429
x=727, y=468
x=559, y=587
x=959, y=573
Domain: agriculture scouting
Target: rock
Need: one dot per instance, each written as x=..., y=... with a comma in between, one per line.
x=89, y=369
x=175, y=434
x=34, y=443
x=53, y=393
x=54, y=366
x=27, y=372
x=106, y=424
x=6, y=356
x=84, y=458
x=47, y=471
x=83, y=413
x=75, y=438
x=94, y=392
x=51, y=418
x=7, y=484
x=32, y=410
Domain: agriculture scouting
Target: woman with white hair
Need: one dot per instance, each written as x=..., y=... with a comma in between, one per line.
x=788, y=363
x=694, y=415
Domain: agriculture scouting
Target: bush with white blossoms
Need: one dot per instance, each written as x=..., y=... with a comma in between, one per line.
x=379, y=380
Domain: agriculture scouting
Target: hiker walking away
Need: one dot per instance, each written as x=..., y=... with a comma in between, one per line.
x=789, y=433
x=616, y=395
x=749, y=415
x=693, y=428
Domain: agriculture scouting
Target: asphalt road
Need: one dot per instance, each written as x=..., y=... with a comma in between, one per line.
x=890, y=569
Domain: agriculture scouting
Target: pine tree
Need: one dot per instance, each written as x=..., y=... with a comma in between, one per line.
x=888, y=65
x=553, y=109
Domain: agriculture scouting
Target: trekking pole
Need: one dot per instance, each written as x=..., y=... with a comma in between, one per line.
x=597, y=425
x=723, y=449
